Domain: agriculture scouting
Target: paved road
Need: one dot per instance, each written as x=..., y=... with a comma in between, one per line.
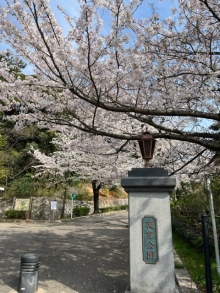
x=85, y=255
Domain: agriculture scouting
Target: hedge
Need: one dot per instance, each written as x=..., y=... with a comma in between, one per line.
x=15, y=214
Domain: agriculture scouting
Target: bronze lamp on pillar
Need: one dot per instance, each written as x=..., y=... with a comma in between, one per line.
x=147, y=144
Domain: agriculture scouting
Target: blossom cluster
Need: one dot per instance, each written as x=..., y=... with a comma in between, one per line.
x=151, y=73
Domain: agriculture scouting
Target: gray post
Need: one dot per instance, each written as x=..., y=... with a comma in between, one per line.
x=150, y=235
x=29, y=273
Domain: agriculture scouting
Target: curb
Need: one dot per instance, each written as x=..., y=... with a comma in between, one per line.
x=183, y=280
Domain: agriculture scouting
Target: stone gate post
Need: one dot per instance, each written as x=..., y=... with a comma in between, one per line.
x=150, y=235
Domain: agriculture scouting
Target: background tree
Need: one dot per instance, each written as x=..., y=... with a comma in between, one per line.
x=88, y=157
x=14, y=64
x=15, y=161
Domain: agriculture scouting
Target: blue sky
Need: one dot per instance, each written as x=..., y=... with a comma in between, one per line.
x=72, y=8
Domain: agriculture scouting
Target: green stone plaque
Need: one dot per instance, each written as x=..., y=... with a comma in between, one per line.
x=150, y=246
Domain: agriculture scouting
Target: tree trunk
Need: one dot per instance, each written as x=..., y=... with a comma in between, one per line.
x=64, y=203
x=96, y=187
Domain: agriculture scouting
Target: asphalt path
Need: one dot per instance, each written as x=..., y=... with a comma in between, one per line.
x=83, y=255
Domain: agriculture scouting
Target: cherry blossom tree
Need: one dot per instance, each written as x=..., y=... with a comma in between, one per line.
x=157, y=73
x=103, y=161
x=103, y=165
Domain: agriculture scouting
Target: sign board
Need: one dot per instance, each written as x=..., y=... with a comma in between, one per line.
x=150, y=247
x=22, y=204
x=53, y=205
x=73, y=196
x=2, y=189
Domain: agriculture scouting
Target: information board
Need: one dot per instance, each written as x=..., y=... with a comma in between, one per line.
x=22, y=204
x=53, y=205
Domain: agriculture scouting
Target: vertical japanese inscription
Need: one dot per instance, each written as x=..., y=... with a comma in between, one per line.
x=150, y=247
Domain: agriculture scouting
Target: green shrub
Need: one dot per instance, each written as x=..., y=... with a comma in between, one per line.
x=22, y=187
x=15, y=214
x=124, y=207
x=115, y=208
x=81, y=211
x=192, y=201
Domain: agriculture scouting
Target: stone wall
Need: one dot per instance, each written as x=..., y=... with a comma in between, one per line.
x=5, y=204
x=41, y=207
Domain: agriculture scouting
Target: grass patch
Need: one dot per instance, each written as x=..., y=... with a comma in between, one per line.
x=117, y=192
x=193, y=261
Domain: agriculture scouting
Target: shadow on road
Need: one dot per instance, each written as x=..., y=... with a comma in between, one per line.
x=85, y=255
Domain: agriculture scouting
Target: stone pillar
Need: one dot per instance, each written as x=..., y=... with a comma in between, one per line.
x=150, y=235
